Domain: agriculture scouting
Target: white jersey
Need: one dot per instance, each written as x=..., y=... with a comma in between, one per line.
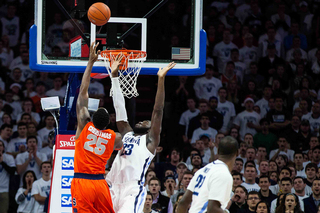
x=212, y=182
x=132, y=161
x=248, y=55
x=228, y=111
x=314, y=122
x=4, y=175
x=27, y=204
x=206, y=88
x=42, y=188
x=223, y=52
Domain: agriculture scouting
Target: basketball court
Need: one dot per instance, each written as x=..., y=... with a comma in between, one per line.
x=160, y=31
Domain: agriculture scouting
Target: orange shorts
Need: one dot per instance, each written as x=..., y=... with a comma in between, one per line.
x=90, y=196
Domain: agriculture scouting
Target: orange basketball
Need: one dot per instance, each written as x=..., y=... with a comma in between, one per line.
x=99, y=13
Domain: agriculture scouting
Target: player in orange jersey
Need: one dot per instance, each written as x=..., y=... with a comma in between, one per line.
x=94, y=146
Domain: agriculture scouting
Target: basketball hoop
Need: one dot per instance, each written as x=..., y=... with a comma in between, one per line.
x=129, y=68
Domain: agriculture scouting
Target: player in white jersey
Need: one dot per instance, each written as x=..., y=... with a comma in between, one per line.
x=211, y=186
x=127, y=175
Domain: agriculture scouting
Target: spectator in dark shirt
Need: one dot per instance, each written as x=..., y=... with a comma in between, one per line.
x=265, y=193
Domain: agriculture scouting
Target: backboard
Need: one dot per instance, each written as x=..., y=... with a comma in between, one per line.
x=167, y=30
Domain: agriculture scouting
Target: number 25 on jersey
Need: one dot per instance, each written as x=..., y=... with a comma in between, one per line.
x=99, y=142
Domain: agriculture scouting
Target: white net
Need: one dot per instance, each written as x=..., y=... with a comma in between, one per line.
x=129, y=75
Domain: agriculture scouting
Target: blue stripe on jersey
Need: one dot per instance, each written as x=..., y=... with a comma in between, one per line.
x=142, y=198
x=137, y=198
x=144, y=167
x=195, y=193
x=204, y=207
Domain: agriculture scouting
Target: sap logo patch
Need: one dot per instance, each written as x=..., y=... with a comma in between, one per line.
x=66, y=200
x=66, y=182
x=74, y=202
x=67, y=163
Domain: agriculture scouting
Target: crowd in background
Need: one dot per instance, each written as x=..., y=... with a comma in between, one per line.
x=261, y=86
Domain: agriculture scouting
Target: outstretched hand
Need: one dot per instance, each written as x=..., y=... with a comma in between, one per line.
x=115, y=65
x=93, y=56
x=163, y=71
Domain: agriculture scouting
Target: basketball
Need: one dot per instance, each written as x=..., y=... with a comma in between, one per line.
x=99, y=13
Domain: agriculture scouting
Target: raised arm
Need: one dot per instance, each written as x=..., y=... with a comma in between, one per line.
x=153, y=138
x=118, y=99
x=83, y=115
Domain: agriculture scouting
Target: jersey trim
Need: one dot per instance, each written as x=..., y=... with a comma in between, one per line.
x=88, y=176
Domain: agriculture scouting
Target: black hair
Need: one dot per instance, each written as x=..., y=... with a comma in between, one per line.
x=267, y=204
x=228, y=146
x=30, y=137
x=22, y=124
x=239, y=159
x=101, y=118
x=264, y=120
x=45, y=162
x=286, y=179
x=5, y=126
x=235, y=173
x=254, y=193
x=24, y=183
x=264, y=176
x=299, y=177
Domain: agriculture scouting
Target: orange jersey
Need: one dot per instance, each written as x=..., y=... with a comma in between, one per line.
x=93, y=149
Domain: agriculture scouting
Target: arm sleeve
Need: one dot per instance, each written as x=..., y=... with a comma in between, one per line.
x=9, y=169
x=20, y=196
x=35, y=189
x=118, y=101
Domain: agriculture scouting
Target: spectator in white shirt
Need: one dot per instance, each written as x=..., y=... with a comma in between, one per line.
x=203, y=129
x=41, y=188
x=18, y=145
x=186, y=117
x=23, y=196
x=57, y=90
x=313, y=118
x=298, y=161
x=28, y=107
x=5, y=134
x=247, y=120
x=207, y=86
x=48, y=149
x=283, y=149
x=222, y=50
x=239, y=66
x=296, y=47
x=250, y=174
x=44, y=132
x=225, y=108
x=31, y=159
x=7, y=168
x=248, y=53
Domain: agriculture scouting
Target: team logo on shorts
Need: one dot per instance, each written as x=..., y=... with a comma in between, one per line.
x=74, y=201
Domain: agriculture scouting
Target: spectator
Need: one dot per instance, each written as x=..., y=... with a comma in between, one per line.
x=238, y=200
x=4, y=56
x=262, y=207
x=187, y=116
x=186, y=178
x=284, y=173
x=251, y=153
x=250, y=174
x=265, y=193
x=238, y=165
x=18, y=60
x=248, y=53
x=207, y=86
x=24, y=66
x=7, y=168
x=290, y=203
x=242, y=151
x=300, y=188
x=311, y=171
x=31, y=159
x=57, y=90
x=247, y=120
x=281, y=20
x=237, y=180
x=248, y=138
x=226, y=109
x=240, y=67
x=16, y=106
x=150, y=174
x=29, y=88
x=157, y=197
x=48, y=149
x=304, y=136
x=169, y=185
x=44, y=80
x=174, y=159
x=44, y=132
x=41, y=93
x=312, y=53
x=314, y=118
x=41, y=188
x=311, y=203
x=148, y=204
x=298, y=161
x=296, y=49
x=196, y=162
x=203, y=129
x=253, y=199
x=11, y=25
x=229, y=74
x=222, y=50
x=315, y=68
x=254, y=76
x=23, y=196
x=18, y=145
x=265, y=137
x=255, y=19
x=282, y=150
x=96, y=89
x=288, y=40
x=32, y=130
x=263, y=167
x=28, y=107
x=5, y=134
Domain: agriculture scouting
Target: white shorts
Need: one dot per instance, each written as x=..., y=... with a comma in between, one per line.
x=128, y=197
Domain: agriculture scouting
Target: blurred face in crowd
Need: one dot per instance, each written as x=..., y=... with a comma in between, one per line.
x=181, y=169
x=250, y=174
x=298, y=159
x=290, y=202
x=286, y=186
x=168, y=172
x=154, y=187
x=303, y=105
x=262, y=208
x=234, y=133
x=22, y=131
x=284, y=173
x=248, y=139
x=6, y=133
x=264, y=167
x=213, y=103
x=282, y=143
x=169, y=184
x=249, y=105
x=196, y=161
x=252, y=201
x=148, y=202
x=236, y=180
x=264, y=184
x=204, y=122
x=175, y=156
x=235, y=56
x=191, y=104
x=200, y=145
x=226, y=36
x=295, y=121
x=150, y=175
x=279, y=102
x=219, y=136
x=186, y=180
x=243, y=148
x=316, y=109
x=26, y=118
x=316, y=187
x=311, y=173
x=253, y=69
x=222, y=94
x=238, y=165
x=306, y=157
x=203, y=107
x=274, y=176
x=271, y=103
x=241, y=194
x=299, y=185
x=250, y=154
x=273, y=166
x=49, y=122
x=316, y=155
x=46, y=169
x=262, y=152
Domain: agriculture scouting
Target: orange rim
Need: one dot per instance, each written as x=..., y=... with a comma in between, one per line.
x=128, y=55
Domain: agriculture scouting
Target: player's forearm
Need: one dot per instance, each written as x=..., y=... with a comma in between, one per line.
x=118, y=100
x=182, y=208
x=9, y=169
x=86, y=78
x=159, y=102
